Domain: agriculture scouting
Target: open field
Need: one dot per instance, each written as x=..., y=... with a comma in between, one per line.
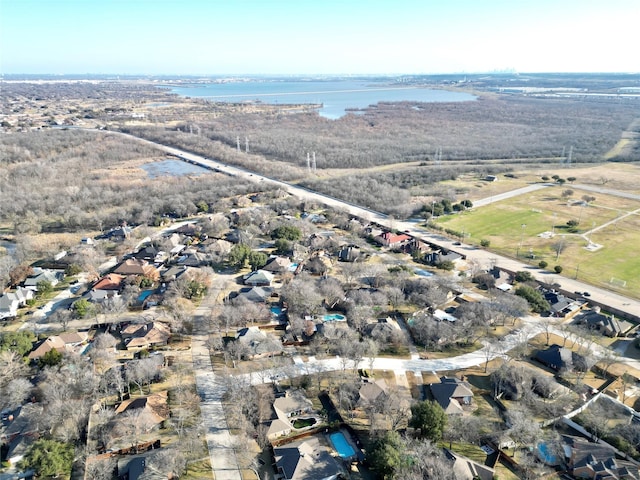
x=514, y=226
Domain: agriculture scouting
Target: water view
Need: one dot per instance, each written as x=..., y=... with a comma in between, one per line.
x=172, y=168
x=336, y=96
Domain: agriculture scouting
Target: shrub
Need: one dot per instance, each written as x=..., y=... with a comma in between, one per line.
x=523, y=276
x=542, y=264
x=557, y=269
x=485, y=243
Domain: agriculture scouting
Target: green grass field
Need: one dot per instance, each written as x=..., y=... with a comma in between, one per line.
x=513, y=227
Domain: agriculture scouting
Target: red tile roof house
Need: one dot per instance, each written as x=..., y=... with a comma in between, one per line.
x=111, y=282
x=392, y=240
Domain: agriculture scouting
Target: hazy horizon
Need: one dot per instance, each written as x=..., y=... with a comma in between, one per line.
x=311, y=38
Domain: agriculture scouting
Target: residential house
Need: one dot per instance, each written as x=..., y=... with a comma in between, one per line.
x=65, y=342
x=416, y=245
x=145, y=335
x=562, y=306
x=605, y=324
x=452, y=394
x=466, y=469
x=216, y=246
x=349, y=253
x=41, y=275
x=131, y=468
x=133, y=266
x=10, y=302
x=286, y=407
x=373, y=392
x=596, y=461
x=191, y=257
x=172, y=273
x=308, y=459
x=111, y=282
x=119, y=234
x=292, y=404
x=278, y=265
x=258, y=278
x=188, y=229
x=21, y=428
x=384, y=329
x=108, y=286
x=442, y=316
x=392, y=240
x=439, y=256
x=560, y=358
x=255, y=294
x=154, y=406
x=258, y=343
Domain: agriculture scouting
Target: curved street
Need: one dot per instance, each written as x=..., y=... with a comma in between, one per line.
x=483, y=257
x=211, y=388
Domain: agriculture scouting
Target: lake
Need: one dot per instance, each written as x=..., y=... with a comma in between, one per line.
x=336, y=96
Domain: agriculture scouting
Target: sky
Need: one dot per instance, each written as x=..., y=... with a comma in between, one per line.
x=349, y=37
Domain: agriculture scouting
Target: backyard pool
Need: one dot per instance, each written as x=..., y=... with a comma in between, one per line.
x=144, y=294
x=546, y=455
x=341, y=445
x=276, y=310
x=333, y=317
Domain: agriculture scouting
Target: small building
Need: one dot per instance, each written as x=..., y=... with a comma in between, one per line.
x=466, y=469
x=277, y=265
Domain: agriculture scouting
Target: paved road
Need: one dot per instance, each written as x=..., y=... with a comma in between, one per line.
x=484, y=258
x=211, y=390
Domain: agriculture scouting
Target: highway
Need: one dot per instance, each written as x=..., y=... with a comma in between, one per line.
x=482, y=257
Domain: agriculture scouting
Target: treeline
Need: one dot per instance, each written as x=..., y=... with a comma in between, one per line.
x=503, y=127
x=74, y=180
x=393, y=192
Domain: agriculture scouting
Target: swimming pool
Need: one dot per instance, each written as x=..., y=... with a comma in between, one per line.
x=340, y=444
x=276, y=310
x=144, y=294
x=545, y=455
x=333, y=317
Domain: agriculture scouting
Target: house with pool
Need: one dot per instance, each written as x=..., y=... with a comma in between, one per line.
x=307, y=459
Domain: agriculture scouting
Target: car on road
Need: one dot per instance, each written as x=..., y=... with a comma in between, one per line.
x=457, y=244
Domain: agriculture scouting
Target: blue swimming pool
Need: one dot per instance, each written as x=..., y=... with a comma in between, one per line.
x=545, y=455
x=333, y=317
x=276, y=310
x=144, y=294
x=340, y=444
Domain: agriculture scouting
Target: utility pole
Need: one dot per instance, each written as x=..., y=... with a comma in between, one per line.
x=308, y=163
x=523, y=226
x=314, y=162
x=246, y=144
x=238, y=143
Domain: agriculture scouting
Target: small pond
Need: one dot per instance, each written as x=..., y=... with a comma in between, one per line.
x=172, y=168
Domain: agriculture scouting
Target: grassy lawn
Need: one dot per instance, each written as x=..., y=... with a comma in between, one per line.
x=546, y=211
x=199, y=470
